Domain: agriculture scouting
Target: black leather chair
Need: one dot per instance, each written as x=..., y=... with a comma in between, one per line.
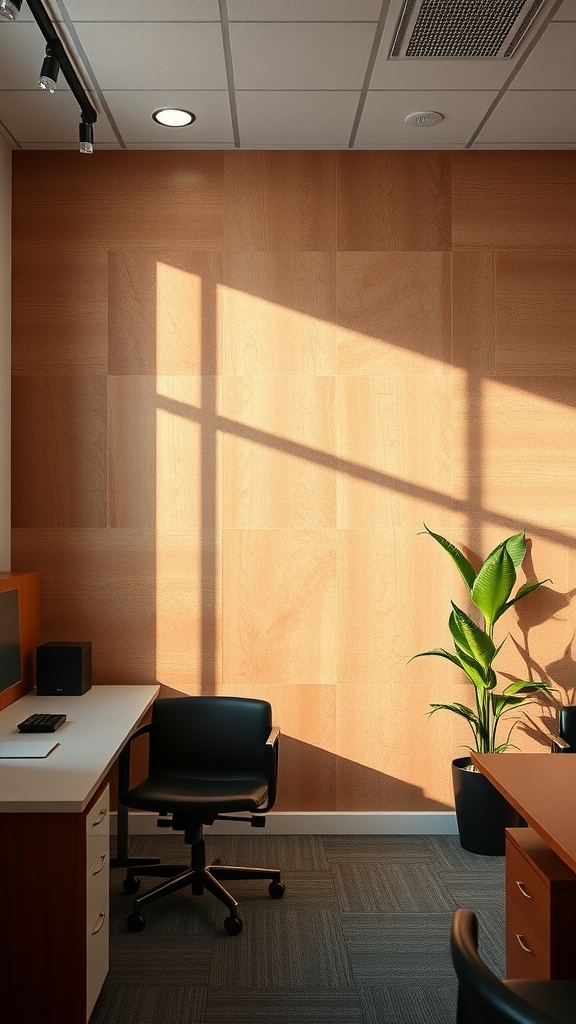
x=485, y=999
x=209, y=758
x=564, y=740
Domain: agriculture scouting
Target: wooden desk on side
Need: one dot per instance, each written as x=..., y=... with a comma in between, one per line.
x=540, y=861
x=54, y=854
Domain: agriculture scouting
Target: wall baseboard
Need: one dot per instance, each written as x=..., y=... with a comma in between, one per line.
x=322, y=823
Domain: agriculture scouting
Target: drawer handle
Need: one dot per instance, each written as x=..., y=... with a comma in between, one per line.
x=524, y=891
x=100, y=818
x=99, y=923
x=523, y=945
x=102, y=863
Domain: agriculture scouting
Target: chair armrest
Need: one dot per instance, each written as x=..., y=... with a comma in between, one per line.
x=559, y=745
x=124, y=761
x=271, y=766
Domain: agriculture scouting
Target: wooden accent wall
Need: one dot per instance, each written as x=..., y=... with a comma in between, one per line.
x=242, y=383
x=28, y=586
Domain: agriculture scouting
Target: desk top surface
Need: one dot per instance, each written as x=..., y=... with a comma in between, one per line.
x=542, y=787
x=97, y=726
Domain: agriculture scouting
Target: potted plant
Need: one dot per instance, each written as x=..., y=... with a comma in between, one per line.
x=475, y=651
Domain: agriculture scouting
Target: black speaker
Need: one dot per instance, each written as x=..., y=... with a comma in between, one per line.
x=63, y=669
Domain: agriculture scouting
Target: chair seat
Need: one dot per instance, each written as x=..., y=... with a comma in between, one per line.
x=555, y=998
x=197, y=796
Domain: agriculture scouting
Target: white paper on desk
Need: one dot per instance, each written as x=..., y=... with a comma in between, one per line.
x=27, y=748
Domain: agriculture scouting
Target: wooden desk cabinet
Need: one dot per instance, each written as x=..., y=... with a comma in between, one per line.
x=540, y=909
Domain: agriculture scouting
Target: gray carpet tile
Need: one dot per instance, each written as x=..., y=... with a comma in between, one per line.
x=361, y=936
x=379, y=887
x=418, y=1004
x=395, y=948
x=284, y=1007
x=149, y=1004
x=385, y=848
x=282, y=948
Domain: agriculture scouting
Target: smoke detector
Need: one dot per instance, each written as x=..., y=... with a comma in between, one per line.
x=446, y=29
x=424, y=118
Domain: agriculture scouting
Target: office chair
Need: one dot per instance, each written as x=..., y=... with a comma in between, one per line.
x=209, y=757
x=564, y=739
x=485, y=999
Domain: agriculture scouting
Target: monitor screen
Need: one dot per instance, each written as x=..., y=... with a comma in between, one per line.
x=10, y=657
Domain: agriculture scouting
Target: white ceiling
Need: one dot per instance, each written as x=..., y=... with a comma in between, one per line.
x=281, y=74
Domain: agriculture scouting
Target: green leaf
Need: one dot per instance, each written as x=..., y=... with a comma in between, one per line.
x=525, y=686
x=438, y=652
x=525, y=589
x=473, y=670
x=516, y=548
x=502, y=703
x=493, y=584
x=466, y=569
x=480, y=645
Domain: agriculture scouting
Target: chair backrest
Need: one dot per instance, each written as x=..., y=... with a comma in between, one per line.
x=219, y=736
x=482, y=997
x=567, y=724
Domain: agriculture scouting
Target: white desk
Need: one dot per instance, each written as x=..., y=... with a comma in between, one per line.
x=53, y=834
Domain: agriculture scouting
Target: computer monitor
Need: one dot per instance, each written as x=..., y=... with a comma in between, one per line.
x=10, y=651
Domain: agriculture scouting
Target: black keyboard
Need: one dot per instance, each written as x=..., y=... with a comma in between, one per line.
x=41, y=723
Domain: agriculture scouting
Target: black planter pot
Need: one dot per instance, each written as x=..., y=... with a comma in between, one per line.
x=482, y=812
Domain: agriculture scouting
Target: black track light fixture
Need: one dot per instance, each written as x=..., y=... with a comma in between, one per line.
x=10, y=9
x=86, y=135
x=49, y=72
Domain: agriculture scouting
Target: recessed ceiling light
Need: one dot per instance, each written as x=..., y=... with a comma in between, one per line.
x=173, y=118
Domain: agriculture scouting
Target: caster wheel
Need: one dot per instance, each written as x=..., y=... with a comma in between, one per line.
x=135, y=922
x=131, y=884
x=276, y=890
x=233, y=925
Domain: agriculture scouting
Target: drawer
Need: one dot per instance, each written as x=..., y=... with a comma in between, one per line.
x=97, y=924
x=526, y=955
x=97, y=826
x=528, y=891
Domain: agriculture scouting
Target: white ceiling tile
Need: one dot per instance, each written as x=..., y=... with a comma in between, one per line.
x=311, y=56
x=304, y=10
x=22, y=49
x=143, y=10
x=566, y=12
x=552, y=64
x=172, y=146
x=132, y=112
x=540, y=117
x=384, y=113
x=167, y=56
x=39, y=117
x=438, y=74
x=523, y=145
x=295, y=119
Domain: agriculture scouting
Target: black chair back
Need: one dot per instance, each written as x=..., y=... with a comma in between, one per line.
x=482, y=997
x=210, y=736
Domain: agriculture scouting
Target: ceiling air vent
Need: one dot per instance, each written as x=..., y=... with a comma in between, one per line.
x=463, y=28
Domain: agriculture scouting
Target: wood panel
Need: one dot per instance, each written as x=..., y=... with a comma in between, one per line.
x=393, y=201
x=280, y=201
x=511, y=200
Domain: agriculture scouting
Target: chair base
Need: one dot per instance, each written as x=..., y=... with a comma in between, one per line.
x=199, y=876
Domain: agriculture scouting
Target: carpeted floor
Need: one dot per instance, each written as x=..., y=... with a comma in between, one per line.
x=360, y=937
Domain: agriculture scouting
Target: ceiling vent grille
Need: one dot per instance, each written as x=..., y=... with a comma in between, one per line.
x=490, y=29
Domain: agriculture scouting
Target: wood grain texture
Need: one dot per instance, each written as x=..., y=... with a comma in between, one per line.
x=393, y=201
x=59, y=312
x=279, y=607
x=512, y=200
x=474, y=313
x=395, y=452
x=277, y=311
x=536, y=310
x=162, y=311
x=280, y=201
x=61, y=477
x=278, y=468
x=396, y=311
